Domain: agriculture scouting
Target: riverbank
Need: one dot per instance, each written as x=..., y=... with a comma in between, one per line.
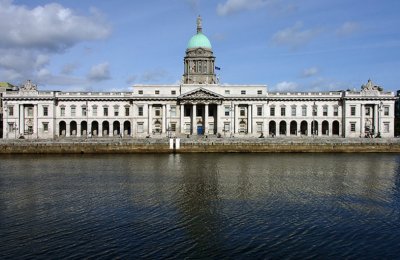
x=199, y=145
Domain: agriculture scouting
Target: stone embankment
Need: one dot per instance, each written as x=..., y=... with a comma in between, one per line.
x=199, y=144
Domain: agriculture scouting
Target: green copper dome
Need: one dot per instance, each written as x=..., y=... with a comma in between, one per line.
x=199, y=40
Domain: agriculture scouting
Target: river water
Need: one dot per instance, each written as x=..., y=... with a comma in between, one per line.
x=200, y=206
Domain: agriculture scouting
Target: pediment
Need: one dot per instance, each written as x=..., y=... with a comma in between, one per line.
x=201, y=94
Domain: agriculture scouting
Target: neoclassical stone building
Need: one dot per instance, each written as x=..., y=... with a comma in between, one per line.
x=197, y=106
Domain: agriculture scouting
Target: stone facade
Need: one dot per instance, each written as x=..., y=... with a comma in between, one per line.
x=198, y=106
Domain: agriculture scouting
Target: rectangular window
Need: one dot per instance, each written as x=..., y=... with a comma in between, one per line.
x=259, y=110
x=140, y=127
x=335, y=111
x=94, y=111
x=140, y=111
x=45, y=111
x=352, y=127
x=259, y=127
x=242, y=111
x=173, y=92
x=84, y=111
x=187, y=111
x=140, y=92
x=227, y=110
x=45, y=127
x=367, y=111
x=304, y=111
x=73, y=111
x=11, y=111
x=199, y=111
x=386, y=127
x=272, y=111
x=293, y=111
x=325, y=111
x=126, y=111
x=116, y=111
x=30, y=111
x=210, y=112
x=173, y=127
x=227, y=92
x=10, y=127
x=157, y=92
x=227, y=126
x=243, y=92
x=353, y=110
x=315, y=110
x=386, y=111
x=105, y=111
x=283, y=111
x=173, y=111
x=157, y=112
x=62, y=111
x=259, y=92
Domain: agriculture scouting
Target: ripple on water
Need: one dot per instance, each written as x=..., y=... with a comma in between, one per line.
x=200, y=206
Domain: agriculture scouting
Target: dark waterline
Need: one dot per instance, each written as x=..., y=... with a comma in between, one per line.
x=200, y=206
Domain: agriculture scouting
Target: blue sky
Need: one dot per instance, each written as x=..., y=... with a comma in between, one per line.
x=309, y=45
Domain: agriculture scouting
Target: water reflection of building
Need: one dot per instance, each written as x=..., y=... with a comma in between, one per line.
x=199, y=105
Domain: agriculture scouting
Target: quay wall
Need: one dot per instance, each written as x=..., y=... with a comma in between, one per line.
x=200, y=146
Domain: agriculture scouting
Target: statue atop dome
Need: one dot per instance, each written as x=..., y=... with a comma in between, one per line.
x=199, y=25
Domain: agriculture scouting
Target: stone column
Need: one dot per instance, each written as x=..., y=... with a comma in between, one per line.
x=310, y=129
x=376, y=121
x=182, y=112
x=163, y=125
x=235, y=122
x=219, y=121
x=249, y=119
x=362, y=115
x=206, y=119
x=150, y=119
x=35, y=120
x=21, y=119
x=194, y=121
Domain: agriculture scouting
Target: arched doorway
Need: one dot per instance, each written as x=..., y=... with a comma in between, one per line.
x=303, y=128
x=116, y=128
x=73, y=128
x=282, y=128
x=314, y=127
x=335, y=128
x=62, y=128
x=83, y=128
x=106, y=128
x=272, y=128
x=127, y=128
x=325, y=128
x=293, y=128
x=95, y=128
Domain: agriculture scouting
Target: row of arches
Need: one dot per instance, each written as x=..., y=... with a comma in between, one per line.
x=106, y=128
x=293, y=129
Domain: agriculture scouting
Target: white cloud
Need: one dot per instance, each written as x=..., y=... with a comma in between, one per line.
x=30, y=37
x=131, y=79
x=294, y=36
x=347, y=28
x=99, y=72
x=309, y=72
x=286, y=86
x=232, y=6
x=51, y=27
